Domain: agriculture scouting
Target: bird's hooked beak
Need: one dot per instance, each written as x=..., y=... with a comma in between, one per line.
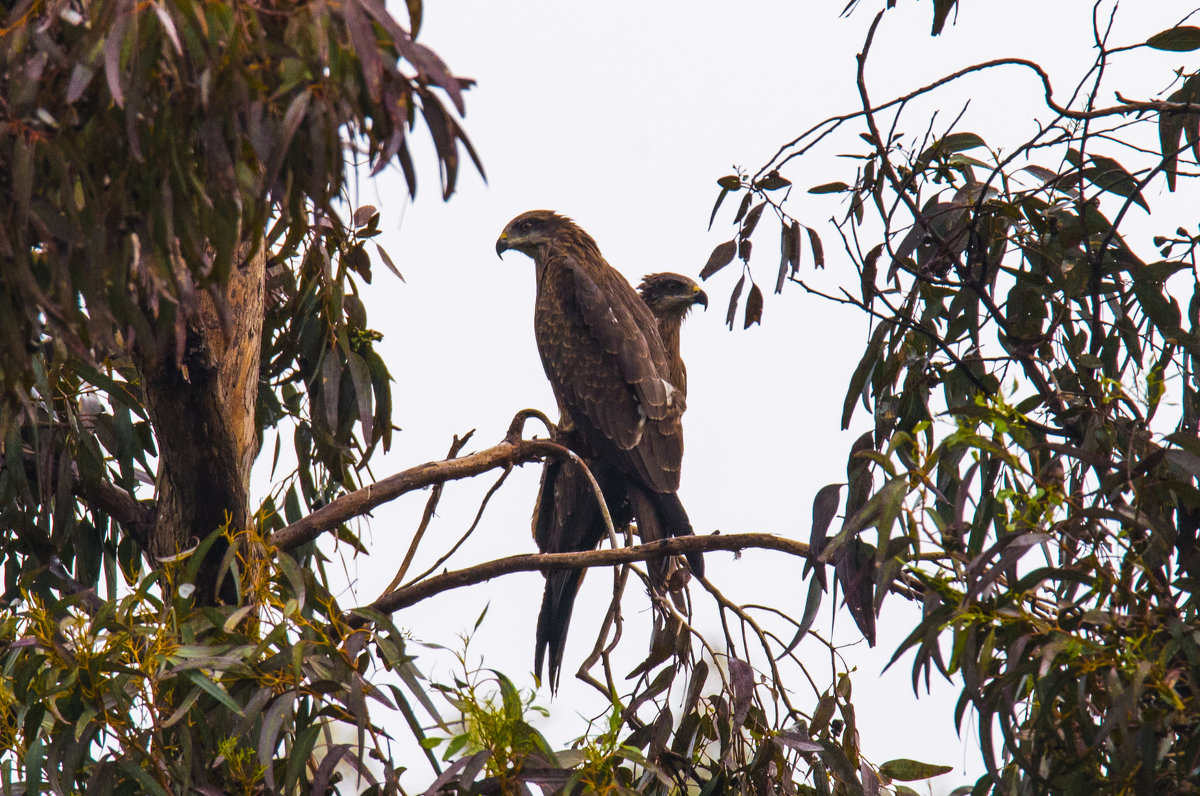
x=502, y=244
x=699, y=297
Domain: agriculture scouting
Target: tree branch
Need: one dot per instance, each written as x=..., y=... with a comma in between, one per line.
x=362, y=501
x=529, y=562
x=136, y=517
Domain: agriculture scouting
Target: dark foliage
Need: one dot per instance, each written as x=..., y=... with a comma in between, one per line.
x=1034, y=400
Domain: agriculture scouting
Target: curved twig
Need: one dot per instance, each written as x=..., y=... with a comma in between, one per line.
x=462, y=540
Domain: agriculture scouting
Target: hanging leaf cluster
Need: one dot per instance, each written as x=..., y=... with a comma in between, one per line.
x=142, y=143
x=1030, y=465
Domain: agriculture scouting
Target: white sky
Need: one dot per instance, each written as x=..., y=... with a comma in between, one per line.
x=622, y=115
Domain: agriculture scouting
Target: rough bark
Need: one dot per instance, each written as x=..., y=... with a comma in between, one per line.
x=202, y=407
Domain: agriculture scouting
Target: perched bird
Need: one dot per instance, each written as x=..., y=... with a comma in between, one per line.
x=566, y=516
x=670, y=297
x=604, y=356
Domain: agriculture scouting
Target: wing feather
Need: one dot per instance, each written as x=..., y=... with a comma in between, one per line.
x=602, y=353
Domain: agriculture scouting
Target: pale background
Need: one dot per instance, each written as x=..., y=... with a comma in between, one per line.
x=622, y=115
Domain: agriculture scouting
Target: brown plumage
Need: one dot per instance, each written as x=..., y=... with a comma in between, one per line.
x=604, y=356
x=566, y=517
x=670, y=297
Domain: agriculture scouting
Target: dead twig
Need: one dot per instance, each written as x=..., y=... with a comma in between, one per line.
x=456, y=447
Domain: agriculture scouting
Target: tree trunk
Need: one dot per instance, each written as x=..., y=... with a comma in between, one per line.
x=202, y=408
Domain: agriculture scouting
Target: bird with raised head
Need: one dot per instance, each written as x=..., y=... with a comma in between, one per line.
x=603, y=352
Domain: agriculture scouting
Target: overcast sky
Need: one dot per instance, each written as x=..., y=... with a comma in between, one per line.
x=622, y=115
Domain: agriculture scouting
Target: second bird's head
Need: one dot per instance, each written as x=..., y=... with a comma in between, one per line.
x=671, y=293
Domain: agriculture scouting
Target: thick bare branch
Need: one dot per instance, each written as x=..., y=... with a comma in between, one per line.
x=529, y=562
x=358, y=503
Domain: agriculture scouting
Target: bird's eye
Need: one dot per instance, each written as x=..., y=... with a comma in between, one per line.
x=525, y=225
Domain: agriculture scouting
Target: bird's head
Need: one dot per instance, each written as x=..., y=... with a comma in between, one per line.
x=533, y=230
x=664, y=293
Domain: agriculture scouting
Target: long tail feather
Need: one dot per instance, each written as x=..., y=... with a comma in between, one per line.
x=568, y=519
x=558, y=601
x=676, y=523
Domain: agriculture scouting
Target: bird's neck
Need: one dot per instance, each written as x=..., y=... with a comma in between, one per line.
x=668, y=330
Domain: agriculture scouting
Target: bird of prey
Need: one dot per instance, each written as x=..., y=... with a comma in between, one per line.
x=566, y=516
x=604, y=357
x=670, y=297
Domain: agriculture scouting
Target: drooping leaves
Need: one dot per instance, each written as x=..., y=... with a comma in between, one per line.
x=240, y=141
x=1014, y=378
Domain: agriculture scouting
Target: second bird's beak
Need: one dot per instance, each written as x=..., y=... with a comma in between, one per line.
x=700, y=298
x=502, y=244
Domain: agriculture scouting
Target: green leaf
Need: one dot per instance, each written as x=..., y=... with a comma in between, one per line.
x=772, y=182
x=363, y=215
x=1111, y=176
x=1182, y=39
x=1170, y=127
x=456, y=745
x=695, y=686
x=33, y=766
x=330, y=388
x=811, y=605
x=141, y=775
x=789, y=250
x=908, y=770
x=273, y=720
x=235, y=619
x=946, y=146
x=880, y=510
x=509, y=693
x=958, y=142
x=743, y=207
x=858, y=379
x=293, y=573
x=830, y=187
x=360, y=377
x=212, y=688
x=381, y=383
x=184, y=707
